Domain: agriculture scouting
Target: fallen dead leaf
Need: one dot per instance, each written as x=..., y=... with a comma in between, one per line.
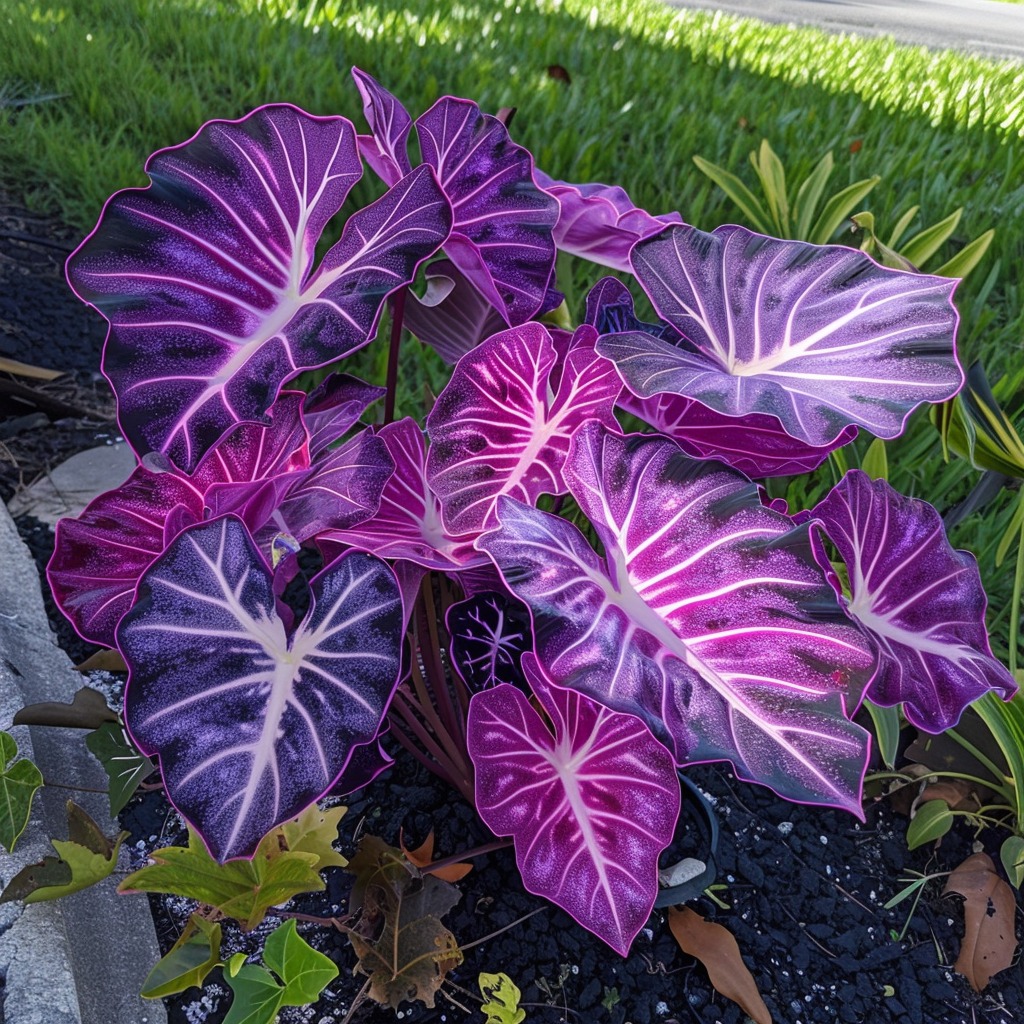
x=109, y=661
x=423, y=857
x=716, y=948
x=958, y=794
x=989, y=941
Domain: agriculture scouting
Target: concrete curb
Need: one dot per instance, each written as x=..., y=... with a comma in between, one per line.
x=81, y=959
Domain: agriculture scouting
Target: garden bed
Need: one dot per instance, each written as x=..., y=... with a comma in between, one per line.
x=805, y=887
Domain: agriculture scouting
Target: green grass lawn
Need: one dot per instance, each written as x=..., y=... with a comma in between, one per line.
x=649, y=87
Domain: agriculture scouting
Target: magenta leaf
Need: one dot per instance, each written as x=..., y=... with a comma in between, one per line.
x=252, y=725
x=408, y=523
x=501, y=427
x=600, y=222
x=386, y=149
x=820, y=337
x=501, y=237
x=590, y=808
x=489, y=633
x=709, y=615
x=920, y=601
x=452, y=317
x=207, y=277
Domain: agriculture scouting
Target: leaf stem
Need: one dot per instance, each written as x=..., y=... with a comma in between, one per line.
x=458, y=858
x=80, y=789
x=391, y=383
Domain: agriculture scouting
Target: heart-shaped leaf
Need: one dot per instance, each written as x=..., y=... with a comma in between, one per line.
x=19, y=780
x=251, y=725
x=820, y=337
x=709, y=615
x=502, y=426
x=207, y=277
x=920, y=602
x=590, y=808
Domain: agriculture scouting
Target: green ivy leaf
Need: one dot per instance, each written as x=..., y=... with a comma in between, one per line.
x=313, y=831
x=125, y=766
x=304, y=971
x=501, y=999
x=189, y=961
x=18, y=784
x=242, y=889
x=257, y=997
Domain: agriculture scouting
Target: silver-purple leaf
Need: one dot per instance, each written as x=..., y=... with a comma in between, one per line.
x=489, y=632
x=408, y=523
x=207, y=278
x=820, y=337
x=252, y=725
x=590, y=808
x=709, y=615
x=919, y=600
x=500, y=426
x=600, y=222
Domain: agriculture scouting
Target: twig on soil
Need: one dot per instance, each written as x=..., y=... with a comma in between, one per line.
x=807, y=934
x=357, y=1002
x=494, y=935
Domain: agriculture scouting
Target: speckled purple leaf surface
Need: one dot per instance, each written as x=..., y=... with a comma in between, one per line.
x=590, y=808
x=820, y=337
x=501, y=426
x=709, y=615
x=251, y=724
x=408, y=523
x=600, y=222
x=207, y=278
x=919, y=600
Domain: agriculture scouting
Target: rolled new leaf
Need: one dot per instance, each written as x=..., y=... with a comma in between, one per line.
x=250, y=724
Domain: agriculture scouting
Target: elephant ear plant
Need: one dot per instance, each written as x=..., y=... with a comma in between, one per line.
x=706, y=624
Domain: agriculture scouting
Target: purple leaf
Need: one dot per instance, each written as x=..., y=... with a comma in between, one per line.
x=590, y=808
x=920, y=601
x=368, y=760
x=501, y=236
x=408, y=522
x=452, y=317
x=251, y=725
x=334, y=407
x=600, y=222
x=820, y=337
x=207, y=279
x=708, y=615
x=386, y=150
x=489, y=634
x=500, y=427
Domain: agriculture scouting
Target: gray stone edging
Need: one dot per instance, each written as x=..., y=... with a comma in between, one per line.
x=81, y=959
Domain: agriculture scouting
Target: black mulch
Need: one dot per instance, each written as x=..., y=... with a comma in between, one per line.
x=804, y=886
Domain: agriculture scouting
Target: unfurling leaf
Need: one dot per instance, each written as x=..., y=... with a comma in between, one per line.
x=125, y=766
x=716, y=948
x=401, y=943
x=242, y=889
x=989, y=940
x=188, y=961
x=18, y=784
x=86, y=857
x=501, y=999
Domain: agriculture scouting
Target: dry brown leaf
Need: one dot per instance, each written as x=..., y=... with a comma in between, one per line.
x=423, y=857
x=109, y=661
x=716, y=948
x=958, y=794
x=989, y=941
x=25, y=370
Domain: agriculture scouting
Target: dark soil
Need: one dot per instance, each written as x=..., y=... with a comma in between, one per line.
x=805, y=887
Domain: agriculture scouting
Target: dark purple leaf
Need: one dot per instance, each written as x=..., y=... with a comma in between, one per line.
x=368, y=760
x=600, y=222
x=709, y=615
x=452, y=317
x=489, y=633
x=501, y=236
x=386, y=149
x=920, y=601
x=820, y=337
x=207, y=277
x=408, y=523
x=334, y=407
x=500, y=427
x=590, y=808
x=251, y=725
